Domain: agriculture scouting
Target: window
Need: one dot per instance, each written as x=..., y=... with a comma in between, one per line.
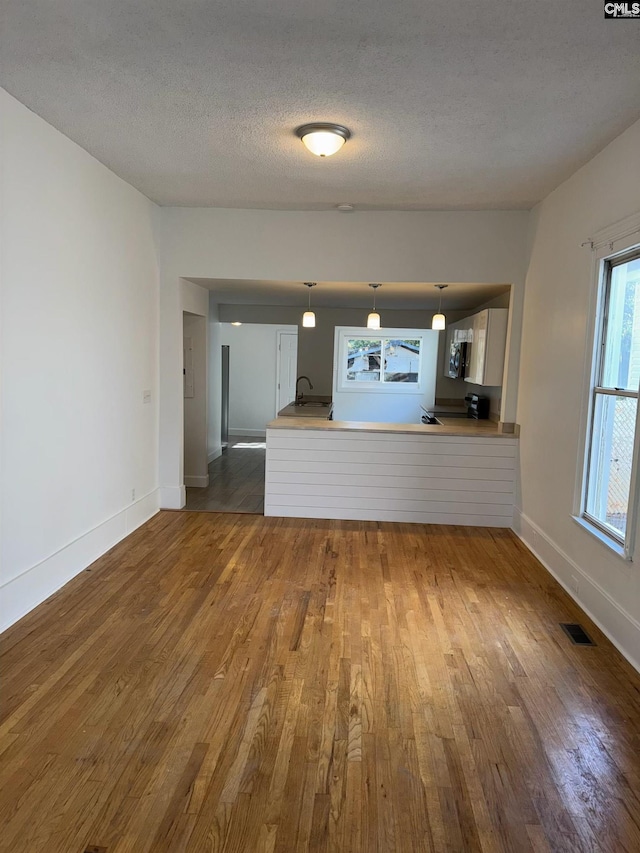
x=611, y=442
x=381, y=360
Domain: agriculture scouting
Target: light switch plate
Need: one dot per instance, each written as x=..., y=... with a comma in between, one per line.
x=146, y=396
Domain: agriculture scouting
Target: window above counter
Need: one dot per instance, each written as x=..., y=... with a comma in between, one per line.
x=383, y=359
x=381, y=362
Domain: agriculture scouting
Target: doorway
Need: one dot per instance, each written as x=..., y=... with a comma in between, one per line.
x=262, y=362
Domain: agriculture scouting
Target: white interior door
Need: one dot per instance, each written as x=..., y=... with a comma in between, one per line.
x=287, y=368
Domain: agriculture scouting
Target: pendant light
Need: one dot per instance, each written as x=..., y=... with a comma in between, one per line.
x=309, y=318
x=323, y=138
x=373, y=320
x=438, y=321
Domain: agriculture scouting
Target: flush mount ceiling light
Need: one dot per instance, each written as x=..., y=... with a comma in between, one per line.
x=323, y=138
x=438, y=321
x=309, y=318
x=373, y=320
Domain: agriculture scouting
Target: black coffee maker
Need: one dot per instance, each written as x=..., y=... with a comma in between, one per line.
x=477, y=406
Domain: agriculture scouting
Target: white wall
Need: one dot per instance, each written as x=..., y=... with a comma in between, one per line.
x=79, y=349
x=253, y=360
x=554, y=347
x=400, y=405
x=485, y=246
x=195, y=407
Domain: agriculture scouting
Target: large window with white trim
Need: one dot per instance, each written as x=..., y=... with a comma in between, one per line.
x=611, y=451
x=382, y=359
x=380, y=362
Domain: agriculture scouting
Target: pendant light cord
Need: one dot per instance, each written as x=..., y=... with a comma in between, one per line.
x=374, y=287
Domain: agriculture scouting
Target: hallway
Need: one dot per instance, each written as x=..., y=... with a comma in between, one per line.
x=236, y=479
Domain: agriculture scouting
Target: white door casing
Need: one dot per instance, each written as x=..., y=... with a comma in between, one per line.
x=188, y=371
x=287, y=369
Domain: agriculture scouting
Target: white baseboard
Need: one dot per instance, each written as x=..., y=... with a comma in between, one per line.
x=197, y=482
x=173, y=497
x=613, y=620
x=258, y=433
x=216, y=453
x=30, y=588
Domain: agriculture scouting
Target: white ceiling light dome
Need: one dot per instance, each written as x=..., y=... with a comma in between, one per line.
x=323, y=138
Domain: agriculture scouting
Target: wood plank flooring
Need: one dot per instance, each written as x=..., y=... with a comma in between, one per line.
x=246, y=684
x=236, y=479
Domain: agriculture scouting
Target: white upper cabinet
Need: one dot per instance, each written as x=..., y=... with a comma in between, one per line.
x=487, y=338
x=485, y=334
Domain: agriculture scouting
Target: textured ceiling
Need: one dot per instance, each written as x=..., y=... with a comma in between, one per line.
x=466, y=104
x=351, y=294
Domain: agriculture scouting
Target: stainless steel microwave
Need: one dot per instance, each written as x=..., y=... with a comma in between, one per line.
x=457, y=359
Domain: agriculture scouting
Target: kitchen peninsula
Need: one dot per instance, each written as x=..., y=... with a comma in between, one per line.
x=454, y=472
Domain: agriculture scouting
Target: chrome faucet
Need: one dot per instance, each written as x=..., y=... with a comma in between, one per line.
x=299, y=394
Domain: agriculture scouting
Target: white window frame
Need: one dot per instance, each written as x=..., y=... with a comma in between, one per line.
x=613, y=245
x=381, y=387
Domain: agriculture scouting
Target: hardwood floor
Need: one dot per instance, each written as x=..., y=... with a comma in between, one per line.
x=239, y=683
x=236, y=479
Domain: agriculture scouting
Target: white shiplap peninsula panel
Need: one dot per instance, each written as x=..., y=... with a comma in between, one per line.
x=437, y=479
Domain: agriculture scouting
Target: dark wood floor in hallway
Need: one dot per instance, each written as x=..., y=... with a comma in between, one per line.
x=236, y=479
x=240, y=683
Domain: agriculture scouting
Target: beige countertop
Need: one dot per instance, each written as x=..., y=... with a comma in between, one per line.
x=449, y=426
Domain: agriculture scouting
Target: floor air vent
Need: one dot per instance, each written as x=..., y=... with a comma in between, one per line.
x=576, y=634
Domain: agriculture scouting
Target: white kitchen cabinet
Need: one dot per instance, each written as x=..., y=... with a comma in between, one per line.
x=487, y=337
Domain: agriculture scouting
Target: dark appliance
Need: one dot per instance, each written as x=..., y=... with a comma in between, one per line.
x=431, y=416
x=477, y=406
x=224, y=411
x=457, y=359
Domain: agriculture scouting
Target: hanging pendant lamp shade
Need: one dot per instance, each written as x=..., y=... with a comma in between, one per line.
x=438, y=321
x=309, y=318
x=373, y=320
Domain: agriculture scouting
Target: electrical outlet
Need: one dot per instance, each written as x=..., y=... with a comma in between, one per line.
x=534, y=539
x=146, y=397
x=133, y=494
x=575, y=584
